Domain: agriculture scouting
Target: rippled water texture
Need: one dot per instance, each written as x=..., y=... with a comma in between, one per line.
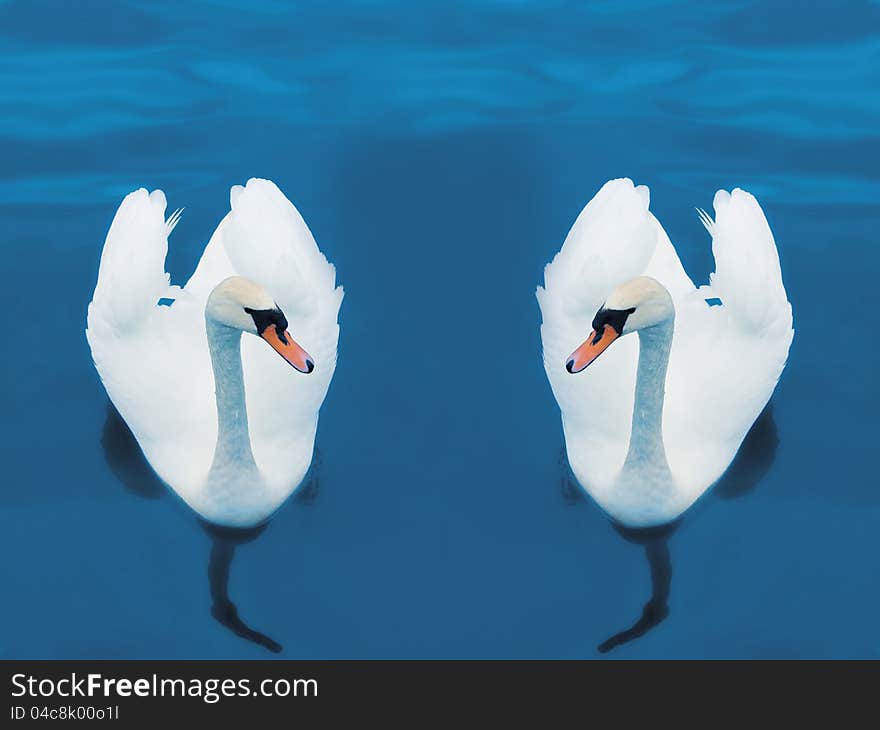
x=440, y=152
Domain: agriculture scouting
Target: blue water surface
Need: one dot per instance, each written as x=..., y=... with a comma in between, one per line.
x=439, y=152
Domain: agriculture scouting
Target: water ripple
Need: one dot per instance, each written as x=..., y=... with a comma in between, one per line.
x=392, y=67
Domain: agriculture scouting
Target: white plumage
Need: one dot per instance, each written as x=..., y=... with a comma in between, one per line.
x=154, y=360
x=723, y=365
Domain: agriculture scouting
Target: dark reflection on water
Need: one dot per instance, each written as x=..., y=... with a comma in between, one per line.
x=307, y=492
x=569, y=487
x=754, y=459
x=656, y=543
x=127, y=462
x=749, y=466
x=224, y=540
x=125, y=458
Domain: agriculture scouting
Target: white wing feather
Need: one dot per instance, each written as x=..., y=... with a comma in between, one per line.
x=152, y=359
x=727, y=359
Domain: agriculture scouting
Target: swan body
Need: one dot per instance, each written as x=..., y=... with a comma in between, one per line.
x=658, y=417
x=222, y=419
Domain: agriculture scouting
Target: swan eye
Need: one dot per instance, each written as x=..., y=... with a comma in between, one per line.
x=265, y=317
x=615, y=318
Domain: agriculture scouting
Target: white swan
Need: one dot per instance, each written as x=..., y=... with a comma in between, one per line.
x=658, y=418
x=223, y=420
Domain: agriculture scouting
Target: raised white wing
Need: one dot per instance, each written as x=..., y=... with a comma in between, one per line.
x=613, y=240
x=266, y=240
x=726, y=359
x=152, y=359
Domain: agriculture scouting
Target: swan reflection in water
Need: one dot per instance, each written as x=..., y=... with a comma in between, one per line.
x=751, y=464
x=224, y=540
x=128, y=464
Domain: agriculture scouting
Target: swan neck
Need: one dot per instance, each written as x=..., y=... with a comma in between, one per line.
x=646, y=438
x=233, y=438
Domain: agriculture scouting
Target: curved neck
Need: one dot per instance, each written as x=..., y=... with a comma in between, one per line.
x=233, y=439
x=646, y=448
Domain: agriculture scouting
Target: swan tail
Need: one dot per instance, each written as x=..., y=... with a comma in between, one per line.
x=131, y=275
x=747, y=277
x=268, y=241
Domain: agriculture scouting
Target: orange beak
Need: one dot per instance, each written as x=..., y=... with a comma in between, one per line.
x=595, y=345
x=285, y=346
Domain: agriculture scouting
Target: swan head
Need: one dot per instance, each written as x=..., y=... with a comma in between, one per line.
x=241, y=304
x=635, y=305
